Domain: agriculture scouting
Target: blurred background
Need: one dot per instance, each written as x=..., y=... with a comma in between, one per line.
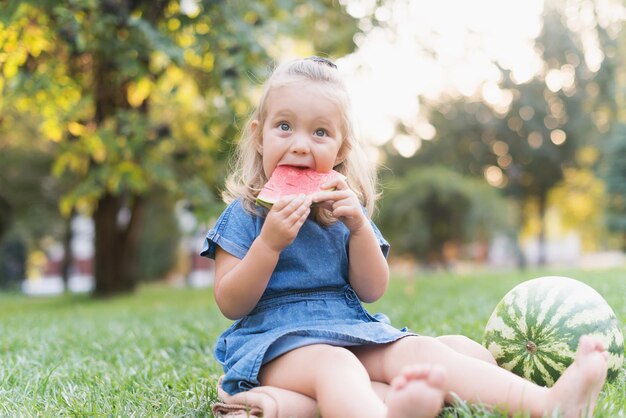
x=499, y=128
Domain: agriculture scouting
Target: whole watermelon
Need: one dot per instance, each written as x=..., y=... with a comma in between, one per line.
x=535, y=329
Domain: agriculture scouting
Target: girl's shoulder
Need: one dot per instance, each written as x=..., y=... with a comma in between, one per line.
x=241, y=212
x=248, y=206
x=235, y=230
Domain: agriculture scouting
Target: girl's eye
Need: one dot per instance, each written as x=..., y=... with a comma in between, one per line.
x=283, y=126
x=320, y=132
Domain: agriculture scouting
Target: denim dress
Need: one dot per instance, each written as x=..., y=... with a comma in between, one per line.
x=308, y=299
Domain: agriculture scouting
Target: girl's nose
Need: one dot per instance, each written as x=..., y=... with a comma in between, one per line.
x=300, y=144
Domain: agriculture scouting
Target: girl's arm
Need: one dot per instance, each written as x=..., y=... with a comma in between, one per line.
x=240, y=283
x=368, y=271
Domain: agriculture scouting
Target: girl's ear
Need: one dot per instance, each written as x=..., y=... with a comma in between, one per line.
x=254, y=126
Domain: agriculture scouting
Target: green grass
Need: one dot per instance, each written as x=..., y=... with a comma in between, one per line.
x=150, y=354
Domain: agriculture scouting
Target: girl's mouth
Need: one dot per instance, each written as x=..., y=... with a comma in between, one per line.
x=299, y=167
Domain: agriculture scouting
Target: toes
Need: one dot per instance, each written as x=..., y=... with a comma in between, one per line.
x=433, y=375
x=398, y=382
x=588, y=344
x=437, y=377
x=585, y=345
x=417, y=371
x=596, y=344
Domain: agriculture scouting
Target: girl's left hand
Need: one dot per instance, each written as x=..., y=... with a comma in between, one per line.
x=343, y=203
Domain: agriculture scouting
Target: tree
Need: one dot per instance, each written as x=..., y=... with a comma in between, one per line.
x=28, y=201
x=139, y=97
x=615, y=178
x=429, y=208
x=580, y=199
x=524, y=147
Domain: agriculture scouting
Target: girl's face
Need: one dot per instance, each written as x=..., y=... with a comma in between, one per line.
x=302, y=128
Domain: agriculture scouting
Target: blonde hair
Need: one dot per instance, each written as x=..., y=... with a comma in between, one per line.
x=247, y=178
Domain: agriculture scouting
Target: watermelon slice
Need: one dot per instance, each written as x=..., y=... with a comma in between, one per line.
x=289, y=180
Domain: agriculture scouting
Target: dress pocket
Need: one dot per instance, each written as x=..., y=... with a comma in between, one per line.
x=353, y=301
x=226, y=342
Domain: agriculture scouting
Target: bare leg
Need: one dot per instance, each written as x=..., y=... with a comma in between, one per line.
x=342, y=387
x=478, y=381
x=467, y=346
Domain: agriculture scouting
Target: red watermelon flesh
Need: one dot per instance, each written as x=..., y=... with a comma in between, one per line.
x=289, y=180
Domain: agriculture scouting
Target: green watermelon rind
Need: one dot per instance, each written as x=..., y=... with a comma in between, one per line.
x=263, y=203
x=268, y=205
x=515, y=321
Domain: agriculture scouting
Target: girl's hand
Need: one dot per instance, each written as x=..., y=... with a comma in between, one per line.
x=284, y=220
x=343, y=203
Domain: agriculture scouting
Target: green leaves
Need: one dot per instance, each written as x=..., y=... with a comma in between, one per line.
x=615, y=178
x=156, y=41
x=128, y=98
x=434, y=206
x=103, y=81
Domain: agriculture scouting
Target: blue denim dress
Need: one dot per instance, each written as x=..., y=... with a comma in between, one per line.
x=308, y=299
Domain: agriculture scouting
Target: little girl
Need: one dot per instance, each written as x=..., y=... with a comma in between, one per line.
x=294, y=277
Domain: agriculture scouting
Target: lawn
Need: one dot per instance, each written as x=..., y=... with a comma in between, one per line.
x=150, y=354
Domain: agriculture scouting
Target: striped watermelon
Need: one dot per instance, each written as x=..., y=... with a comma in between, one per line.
x=534, y=330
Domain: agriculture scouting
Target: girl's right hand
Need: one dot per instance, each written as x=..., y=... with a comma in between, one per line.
x=284, y=220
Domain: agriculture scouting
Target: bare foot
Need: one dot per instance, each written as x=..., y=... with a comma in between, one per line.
x=576, y=391
x=417, y=392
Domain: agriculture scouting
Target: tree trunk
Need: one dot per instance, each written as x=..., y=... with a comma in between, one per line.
x=116, y=239
x=117, y=245
x=68, y=257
